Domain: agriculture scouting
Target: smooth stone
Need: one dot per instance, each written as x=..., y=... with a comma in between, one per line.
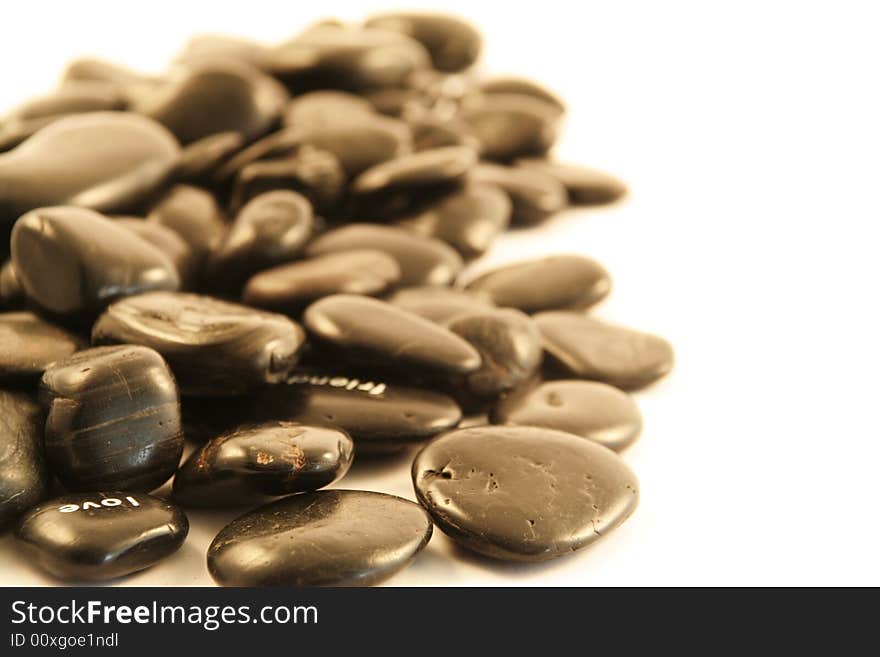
x=200, y=159
x=133, y=85
x=12, y=295
x=588, y=348
x=509, y=126
x=277, y=145
x=101, y=536
x=523, y=493
x=326, y=538
x=271, y=229
x=113, y=419
x=326, y=108
x=30, y=344
x=422, y=260
x=252, y=464
x=169, y=242
x=369, y=330
x=24, y=479
x=212, y=47
x=562, y=282
x=106, y=161
x=341, y=57
x=510, y=347
x=590, y=409
x=316, y=174
x=74, y=262
x=214, y=348
x=291, y=287
x=192, y=213
x=468, y=219
x=440, y=304
x=523, y=87
x=220, y=96
x=535, y=196
x=429, y=133
x=586, y=186
x=453, y=44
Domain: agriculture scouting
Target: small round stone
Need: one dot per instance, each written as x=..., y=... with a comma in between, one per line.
x=113, y=419
x=454, y=44
x=101, y=536
x=522, y=87
x=535, y=195
x=29, y=344
x=192, y=213
x=24, y=479
x=590, y=409
x=440, y=304
x=326, y=538
x=200, y=159
x=588, y=348
x=424, y=169
x=252, y=464
x=169, y=242
x=523, y=493
x=509, y=126
x=586, y=186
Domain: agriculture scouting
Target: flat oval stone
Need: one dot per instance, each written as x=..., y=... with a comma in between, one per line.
x=509, y=126
x=277, y=145
x=252, y=464
x=107, y=161
x=422, y=260
x=586, y=186
x=341, y=57
x=589, y=348
x=101, y=536
x=291, y=287
x=510, y=347
x=554, y=283
x=214, y=347
x=200, y=159
x=169, y=242
x=192, y=213
x=523, y=87
x=220, y=96
x=326, y=108
x=453, y=44
x=534, y=195
x=30, y=345
x=270, y=229
x=73, y=261
x=212, y=47
x=523, y=493
x=590, y=409
x=468, y=219
x=370, y=330
x=24, y=479
x=440, y=304
x=327, y=538
x=430, y=132
x=113, y=419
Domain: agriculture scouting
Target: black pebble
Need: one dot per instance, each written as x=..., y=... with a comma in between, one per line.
x=24, y=479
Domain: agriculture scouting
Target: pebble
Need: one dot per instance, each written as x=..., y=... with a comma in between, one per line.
x=192, y=213
x=214, y=347
x=372, y=331
x=326, y=538
x=24, y=479
x=200, y=159
x=523, y=87
x=535, y=195
x=252, y=464
x=509, y=126
x=568, y=282
x=523, y=493
x=131, y=84
x=588, y=348
x=440, y=304
x=586, y=186
x=291, y=287
x=113, y=419
x=453, y=44
x=422, y=260
x=429, y=132
x=30, y=344
x=74, y=262
x=590, y=409
x=169, y=242
x=468, y=219
x=101, y=536
x=11, y=293
x=326, y=108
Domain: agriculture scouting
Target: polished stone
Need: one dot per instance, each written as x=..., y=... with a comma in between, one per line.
x=535, y=196
x=453, y=43
x=113, y=419
x=24, y=479
x=326, y=538
x=214, y=347
x=586, y=186
x=372, y=331
x=508, y=126
x=169, y=242
x=213, y=47
x=522, y=87
x=590, y=409
x=422, y=260
x=101, y=536
x=252, y=464
x=199, y=160
x=291, y=287
x=440, y=304
x=133, y=85
x=192, y=213
x=429, y=132
x=523, y=493
x=326, y=108
x=562, y=282
x=588, y=348
x=74, y=262
x=30, y=344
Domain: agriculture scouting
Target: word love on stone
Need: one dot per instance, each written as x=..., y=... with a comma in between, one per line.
x=106, y=502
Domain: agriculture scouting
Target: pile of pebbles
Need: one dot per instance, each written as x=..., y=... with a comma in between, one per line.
x=259, y=252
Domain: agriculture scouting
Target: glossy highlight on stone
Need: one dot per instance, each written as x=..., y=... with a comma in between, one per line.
x=30, y=344
x=326, y=538
x=440, y=304
x=192, y=213
x=523, y=493
x=24, y=478
x=585, y=185
x=535, y=195
x=99, y=536
x=454, y=44
x=112, y=419
x=509, y=126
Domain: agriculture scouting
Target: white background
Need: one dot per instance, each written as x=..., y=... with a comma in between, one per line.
x=749, y=134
